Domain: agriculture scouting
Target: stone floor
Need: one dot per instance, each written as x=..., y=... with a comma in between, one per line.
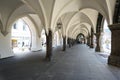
x=77, y=63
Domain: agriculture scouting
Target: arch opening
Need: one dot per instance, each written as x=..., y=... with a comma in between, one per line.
x=106, y=38
x=43, y=39
x=20, y=37
x=56, y=39
x=80, y=38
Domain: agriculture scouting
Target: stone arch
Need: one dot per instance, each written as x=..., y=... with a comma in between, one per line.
x=81, y=34
x=85, y=25
x=38, y=8
x=35, y=37
x=27, y=17
x=89, y=21
x=77, y=38
x=103, y=10
x=91, y=17
x=79, y=31
x=19, y=12
x=110, y=9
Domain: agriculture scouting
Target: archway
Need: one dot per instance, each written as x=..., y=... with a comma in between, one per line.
x=56, y=39
x=106, y=38
x=80, y=38
x=43, y=39
x=20, y=37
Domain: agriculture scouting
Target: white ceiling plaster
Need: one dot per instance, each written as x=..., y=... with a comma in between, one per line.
x=49, y=11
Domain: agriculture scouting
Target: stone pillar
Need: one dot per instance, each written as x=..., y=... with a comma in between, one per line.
x=114, y=58
x=97, y=49
x=5, y=46
x=64, y=43
x=88, y=41
x=49, y=46
x=84, y=41
x=36, y=44
x=101, y=42
x=73, y=42
x=69, y=42
x=91, y=44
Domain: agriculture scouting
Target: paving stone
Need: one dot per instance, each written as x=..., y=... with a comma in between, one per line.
x=77, y=63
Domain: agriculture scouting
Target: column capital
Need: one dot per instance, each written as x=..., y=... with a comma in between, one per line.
x=114, y=27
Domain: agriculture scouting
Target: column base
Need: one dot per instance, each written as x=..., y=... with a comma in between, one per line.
x=97, y=49
x=88, y=44
x=114, y=60
x=48, y=56
x=64, y=50
x=91, y=46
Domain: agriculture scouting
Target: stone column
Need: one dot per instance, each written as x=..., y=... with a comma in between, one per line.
x=84, y=40
x=69, y=42
x=88, y=41
x=97, y=49
x=5, y=46
x=114, y=58
x=49, y=46
x=91, y=44
x=72, y=42
x=101, y=42
x=64, y=43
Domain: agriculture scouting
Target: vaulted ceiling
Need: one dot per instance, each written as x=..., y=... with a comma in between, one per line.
x=77, y=16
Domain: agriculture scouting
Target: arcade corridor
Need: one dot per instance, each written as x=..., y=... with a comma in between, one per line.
x=55, y=26
x=76, y=63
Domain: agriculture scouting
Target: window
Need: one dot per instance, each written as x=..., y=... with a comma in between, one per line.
x=14, y=26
